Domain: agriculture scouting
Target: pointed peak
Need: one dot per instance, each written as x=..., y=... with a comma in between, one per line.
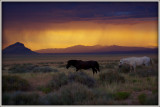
x=17, y=48
x=19, y=44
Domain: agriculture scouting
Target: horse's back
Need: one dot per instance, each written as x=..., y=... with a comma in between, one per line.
x=138, y=60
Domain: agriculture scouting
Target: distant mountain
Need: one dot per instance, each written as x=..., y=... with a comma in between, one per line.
x=17, y=48
x=99, y=49
x=73, y=49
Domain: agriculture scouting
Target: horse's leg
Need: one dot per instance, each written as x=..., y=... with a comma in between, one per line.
x=130, y=68
x=93, y=70
x=97, y=68
x=77, y=69
x=134, y=67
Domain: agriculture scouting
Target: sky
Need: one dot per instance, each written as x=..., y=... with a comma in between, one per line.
x=41, y=25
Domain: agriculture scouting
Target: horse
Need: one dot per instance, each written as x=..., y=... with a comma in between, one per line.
x=79, y=64
x=134, y=61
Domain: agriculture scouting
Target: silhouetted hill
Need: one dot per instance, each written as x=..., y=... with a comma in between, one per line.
x=99, y=49
x=17, y=48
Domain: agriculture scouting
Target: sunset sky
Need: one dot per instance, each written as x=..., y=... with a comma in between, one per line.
x=60, y=25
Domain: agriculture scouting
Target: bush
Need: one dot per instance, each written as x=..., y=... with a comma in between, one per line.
x=45, y=89
x=121, y=95
x=58, y=80
x=44, y=69
x=82, y=78
x=110, y=77
x=145, y=73
x=124, y=69
x=18, y=68
x=19, y=98
x=62, y=66
x=73, y=93
x=24, y=68
x=142, y=98
x=10, y=83
x=61, y=79
x=150, y=100
x=110, y=65
x=50, y=99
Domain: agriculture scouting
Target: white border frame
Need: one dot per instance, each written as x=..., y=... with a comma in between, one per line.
x=79, y=1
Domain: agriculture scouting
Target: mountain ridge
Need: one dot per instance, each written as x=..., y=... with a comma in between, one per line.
x=19, y=48
x=94, y=49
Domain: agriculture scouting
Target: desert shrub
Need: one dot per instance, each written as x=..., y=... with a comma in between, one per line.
x=82, y=78
x=45, y=89
x=148, y=100
x=25, y=68
x=62, y=66
x=110, y=77
x=152, y=100
x=146, y=73
x=72, y=93
x=124, y=69
x=75, y=92
x=110, y=65
x=58, y=80
x=98, y=101
x=22, y=68
x=142, y=98
x=155, y=60
x=134, y=81
x=44, y=69
x=121, y=95
x=10, y=83
x=59, y=62
x=19, y=98
x=50, y=99
x=132, y=74
x=101, y=96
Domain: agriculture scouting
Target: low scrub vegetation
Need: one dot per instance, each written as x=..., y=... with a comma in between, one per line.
x=11, y=83
x=142, y=98
x=121, y=95
x=124, y=69
x=110, y=65
x=20, y=98
x=72, y=93
x=82, y=78
x=50, y=83
x=148, y=100
x=58, y=80
x=25, y=68
x=110, y=77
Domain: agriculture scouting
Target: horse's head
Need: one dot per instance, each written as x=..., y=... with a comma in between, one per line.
x=69, y=63
x=121, y=62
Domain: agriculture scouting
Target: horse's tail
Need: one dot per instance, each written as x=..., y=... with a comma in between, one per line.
x=97, y=66
x=152, y=62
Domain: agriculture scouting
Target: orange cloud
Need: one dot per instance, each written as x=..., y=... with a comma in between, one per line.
x=61, y=35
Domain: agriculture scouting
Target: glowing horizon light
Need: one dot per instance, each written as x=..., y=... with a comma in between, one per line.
x=57, y=27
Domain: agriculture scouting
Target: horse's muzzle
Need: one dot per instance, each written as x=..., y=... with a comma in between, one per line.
x=67, y=66
x=120, y=66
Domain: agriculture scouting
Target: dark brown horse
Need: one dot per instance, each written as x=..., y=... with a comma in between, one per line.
x=78, y=64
